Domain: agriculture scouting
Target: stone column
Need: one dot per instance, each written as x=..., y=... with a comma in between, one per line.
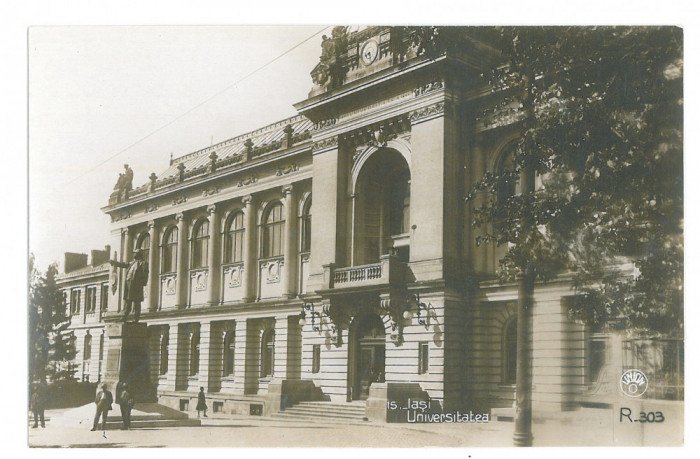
x=217, y=332
x=249, y=268
x=182, y=276
x=128, y=249
x=214, y=255
x=204, y=346
x=280, y=362
x=239, y=360
x=290, y=242
x=153, y=267
x=173, y=345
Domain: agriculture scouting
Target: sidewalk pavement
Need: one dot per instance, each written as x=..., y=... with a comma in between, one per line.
x=250, y=431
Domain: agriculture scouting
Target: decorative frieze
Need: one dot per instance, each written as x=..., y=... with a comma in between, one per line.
x=428, y=87
x=507, y=112
x=247, y=181
x=120, y=217
x=325, y=124
x=211, y=190
x=325, y=144
x=430, y=111
x=288, y=169
x=150, y=208
x=179, y=200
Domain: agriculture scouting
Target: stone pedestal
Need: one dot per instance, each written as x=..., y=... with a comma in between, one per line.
x=128, y=359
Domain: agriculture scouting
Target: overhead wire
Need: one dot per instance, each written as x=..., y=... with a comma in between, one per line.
x=207, y=100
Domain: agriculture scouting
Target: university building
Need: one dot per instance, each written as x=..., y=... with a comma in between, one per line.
x=330, y=256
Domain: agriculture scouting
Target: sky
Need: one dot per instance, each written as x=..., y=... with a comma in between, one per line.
x=95, y=93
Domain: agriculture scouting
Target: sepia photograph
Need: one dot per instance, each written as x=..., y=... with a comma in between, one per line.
x=355, y=236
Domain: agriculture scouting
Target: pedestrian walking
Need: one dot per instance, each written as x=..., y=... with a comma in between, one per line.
x=103, y=403
x=37, y=404
x=201, y=402
x=126, y=403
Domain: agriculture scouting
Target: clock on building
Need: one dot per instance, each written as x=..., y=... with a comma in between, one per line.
x=369, y=52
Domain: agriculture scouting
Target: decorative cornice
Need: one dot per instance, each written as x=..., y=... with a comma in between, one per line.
x=211, y=190
x=120, y=217
x=150, y=208
x=325, y=124
x=287, y=189
x=325, y=144
x=248, y=181
x=179, y=200
x=288, y=169
x=428, y=87
x=429, y=112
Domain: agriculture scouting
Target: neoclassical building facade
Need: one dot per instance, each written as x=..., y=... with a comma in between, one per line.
x=330, y=256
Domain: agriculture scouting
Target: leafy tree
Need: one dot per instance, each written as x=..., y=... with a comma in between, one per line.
x=51, y=344
x=601, y=115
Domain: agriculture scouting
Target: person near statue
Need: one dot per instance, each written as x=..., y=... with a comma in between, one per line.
x=125, y=399
x=201, y=402
x=103, y=403
x=136, y=279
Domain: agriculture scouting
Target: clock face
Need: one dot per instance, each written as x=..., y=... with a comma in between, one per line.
x=369, y=52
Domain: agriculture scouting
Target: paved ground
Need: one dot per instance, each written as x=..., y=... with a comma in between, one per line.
x=262, y=432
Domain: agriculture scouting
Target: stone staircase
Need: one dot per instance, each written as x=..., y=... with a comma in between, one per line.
x=325, y=412
x=143, y=415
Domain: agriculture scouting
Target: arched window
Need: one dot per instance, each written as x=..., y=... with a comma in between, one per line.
x=87, y=347
x=200, y=244
x=143, y=243
x=169, y=249
x=194, y=354
x=267, y=357
x=507, y=169
x=233, y=243
x=306, y=227
x=229, y=351
x=273, y=232
x=164, y=349
x=510, y=350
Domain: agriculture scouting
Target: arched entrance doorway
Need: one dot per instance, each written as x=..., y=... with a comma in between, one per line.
x=369, y=343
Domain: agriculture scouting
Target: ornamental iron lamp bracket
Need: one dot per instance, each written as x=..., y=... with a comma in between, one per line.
x=311, y=309
x=422, y=311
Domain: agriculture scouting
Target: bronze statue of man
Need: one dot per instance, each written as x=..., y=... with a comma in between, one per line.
x=136, y=279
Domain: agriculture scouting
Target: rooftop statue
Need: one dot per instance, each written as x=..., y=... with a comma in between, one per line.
x=123, y=186
x=329, y=71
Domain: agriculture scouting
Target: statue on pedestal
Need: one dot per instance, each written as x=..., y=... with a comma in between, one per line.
x=123, y=186
x=136, y=279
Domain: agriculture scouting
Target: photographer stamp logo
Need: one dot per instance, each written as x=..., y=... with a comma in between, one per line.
x=633, y=383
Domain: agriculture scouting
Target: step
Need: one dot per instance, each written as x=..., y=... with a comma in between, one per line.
x=322, y=415
x=323, y=409
x=319, y=419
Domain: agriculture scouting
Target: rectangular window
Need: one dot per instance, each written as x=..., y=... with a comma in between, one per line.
x=423, y=358
x=90, y=299
x=316, y=359
x=75, y=301
x=104, y=297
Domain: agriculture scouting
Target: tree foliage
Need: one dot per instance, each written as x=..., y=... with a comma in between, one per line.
x=601, y=114
x=51, y=344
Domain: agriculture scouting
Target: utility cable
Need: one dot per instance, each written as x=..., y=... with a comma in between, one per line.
x=177, y=118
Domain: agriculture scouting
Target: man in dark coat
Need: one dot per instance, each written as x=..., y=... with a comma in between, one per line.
x=126, y=403
x=37, y=404
x=103, y=402
x=136, y=279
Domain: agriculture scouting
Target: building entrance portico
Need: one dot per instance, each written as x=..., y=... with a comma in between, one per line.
x=368, y=348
